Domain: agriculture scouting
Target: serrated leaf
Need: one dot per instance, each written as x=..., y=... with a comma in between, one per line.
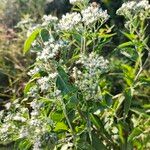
x=30, y=39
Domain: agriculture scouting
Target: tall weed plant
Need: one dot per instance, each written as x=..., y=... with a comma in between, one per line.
x=77, y=96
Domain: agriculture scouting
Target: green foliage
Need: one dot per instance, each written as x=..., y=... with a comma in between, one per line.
x=78, y=97
x=30, y=40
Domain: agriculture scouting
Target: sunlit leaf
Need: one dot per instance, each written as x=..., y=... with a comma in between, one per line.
x=130, y=36
x=30, y=40
x=60, y=126
x=126, y=44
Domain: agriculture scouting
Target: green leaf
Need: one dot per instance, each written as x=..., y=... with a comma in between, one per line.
x=57, y=116
x=121, y=136
x=23, y=144
x=77, y=37
x=127, y=101
x=31, y=83
x=28, y=86
x=140, y=112
x=73, y=59
x=30, y=39
x=126, y=44
x=130, y=53
x=97, y=143
x=126, y=54
x=136, y=131
x=99, y=125
x=44, y=35
x=106, y=35
x=60, y=126
x=108, y=98
x=145, y=80
x=128, y=74
x=68, y=90
x=88, y=42
x=118, y=101
x=146, y=106
x=130, y=36
x=95, y=121
x=62, y=82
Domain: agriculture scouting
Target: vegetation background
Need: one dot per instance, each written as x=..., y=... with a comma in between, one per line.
x=16, y=17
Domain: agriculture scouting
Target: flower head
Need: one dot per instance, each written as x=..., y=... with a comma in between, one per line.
x=132, y=8
x=88, y=79
x=50, y=50
x=69, y=21
x=93, y=14
x=44, y=83
x=75, y=1
x=49, y=20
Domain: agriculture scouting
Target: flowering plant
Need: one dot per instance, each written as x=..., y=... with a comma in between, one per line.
x=71, y=101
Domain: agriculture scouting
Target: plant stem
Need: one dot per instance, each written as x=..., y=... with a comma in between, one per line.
x=68, y=121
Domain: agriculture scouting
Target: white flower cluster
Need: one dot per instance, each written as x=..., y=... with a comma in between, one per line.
x=93, y=14
x=94, y=63
x=33, y=71
x=44, y=82
x=6, y=131
x=19, y=117
x=33, y=91
x=88, y=85
x=69, y=21
x=35, y=105
x=88, y=16
x=75, y=1
x=8, y=105
x=49, y=20
x=50, y=50
x=131, y=8
x=4, y=128
x=9, y=129
x=32, y=128
x=88, y=80
x=37, y=144
x=23, y=132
